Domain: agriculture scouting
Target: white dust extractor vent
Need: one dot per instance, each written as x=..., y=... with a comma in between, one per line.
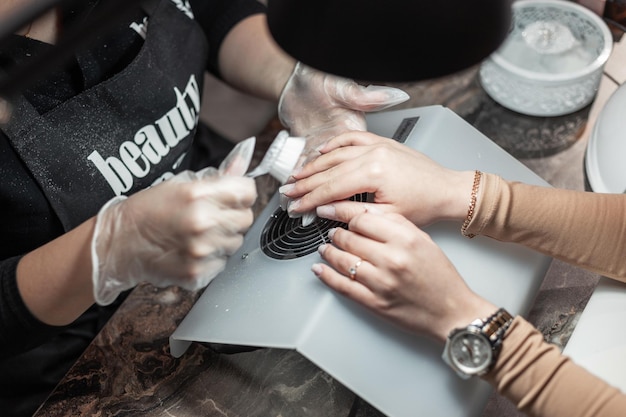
x=286, y=238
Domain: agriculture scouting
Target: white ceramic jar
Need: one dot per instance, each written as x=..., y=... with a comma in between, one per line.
x=552, y=60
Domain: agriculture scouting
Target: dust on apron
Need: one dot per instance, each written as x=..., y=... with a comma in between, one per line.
x=127, y=133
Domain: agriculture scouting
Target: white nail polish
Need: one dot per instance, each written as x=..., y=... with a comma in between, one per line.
x=286, y=188
x=317, y=269
x=293, y=205
x=327, y=212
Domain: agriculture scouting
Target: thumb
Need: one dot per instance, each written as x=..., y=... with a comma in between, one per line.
x=237, y=161
x=370, y=98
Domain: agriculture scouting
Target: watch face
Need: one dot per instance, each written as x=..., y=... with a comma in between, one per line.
x=470, y=352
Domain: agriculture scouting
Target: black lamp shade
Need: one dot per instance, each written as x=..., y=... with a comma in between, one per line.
x=389, y=40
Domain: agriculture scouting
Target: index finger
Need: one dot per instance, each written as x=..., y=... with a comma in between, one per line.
x=353, y=138
x=327, y=161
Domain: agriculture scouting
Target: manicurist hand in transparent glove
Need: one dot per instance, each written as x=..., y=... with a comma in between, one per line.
x=180, y=232
x=320, y=106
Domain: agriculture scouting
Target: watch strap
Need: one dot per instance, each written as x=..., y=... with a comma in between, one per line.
x=496, y=325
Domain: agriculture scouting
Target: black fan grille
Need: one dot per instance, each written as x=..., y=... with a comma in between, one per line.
x=286, y=238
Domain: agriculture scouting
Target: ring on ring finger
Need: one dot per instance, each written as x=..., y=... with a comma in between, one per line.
x=353, y=269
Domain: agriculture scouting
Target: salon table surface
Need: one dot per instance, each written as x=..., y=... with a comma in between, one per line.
x=128, y=370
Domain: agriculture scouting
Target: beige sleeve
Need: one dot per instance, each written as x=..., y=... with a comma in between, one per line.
x=542, y=382
x=582, y=228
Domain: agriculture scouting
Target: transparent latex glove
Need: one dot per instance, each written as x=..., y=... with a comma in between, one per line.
x=179, y=232
x=319, y=106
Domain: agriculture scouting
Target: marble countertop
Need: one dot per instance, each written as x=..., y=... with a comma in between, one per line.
x=127, y=370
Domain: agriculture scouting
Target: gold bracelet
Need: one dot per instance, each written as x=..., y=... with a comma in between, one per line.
x=472, y=206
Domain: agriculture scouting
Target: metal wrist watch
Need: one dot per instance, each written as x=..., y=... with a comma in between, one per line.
x=473, y=350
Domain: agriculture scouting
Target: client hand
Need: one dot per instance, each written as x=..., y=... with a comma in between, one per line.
x=401, y=179
x=393, y=268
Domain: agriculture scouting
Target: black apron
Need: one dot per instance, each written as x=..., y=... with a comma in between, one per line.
x=123, y=135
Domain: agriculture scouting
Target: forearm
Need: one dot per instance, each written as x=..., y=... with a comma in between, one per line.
x=585, y=229
x=252, y=62
x=55, y=279
x=541, y=382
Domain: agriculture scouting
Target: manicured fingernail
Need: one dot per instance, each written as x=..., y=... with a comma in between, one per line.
x=283, y=201
x=331, y=233
x=293, y=205
x=317, y=269
x=322, y=248
x=287, y=188
x=327, y=212
x=296, y=171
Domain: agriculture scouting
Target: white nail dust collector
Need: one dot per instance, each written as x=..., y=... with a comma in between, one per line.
x=267, y=295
